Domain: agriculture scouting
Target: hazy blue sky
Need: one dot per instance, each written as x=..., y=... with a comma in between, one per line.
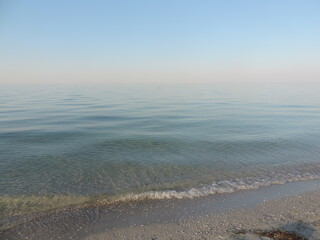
x=159, y=41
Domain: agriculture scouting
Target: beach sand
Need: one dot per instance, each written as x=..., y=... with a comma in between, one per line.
x=293, y=207
x=300, y=214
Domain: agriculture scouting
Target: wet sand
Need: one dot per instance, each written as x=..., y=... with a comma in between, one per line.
x=293, y=206
x=299, y=214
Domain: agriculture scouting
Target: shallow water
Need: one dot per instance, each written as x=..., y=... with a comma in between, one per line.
x=64, y=145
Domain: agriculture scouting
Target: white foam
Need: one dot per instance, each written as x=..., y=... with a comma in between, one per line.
x=245, y=183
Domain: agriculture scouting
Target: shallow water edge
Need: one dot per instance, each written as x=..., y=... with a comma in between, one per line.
x=83, y=222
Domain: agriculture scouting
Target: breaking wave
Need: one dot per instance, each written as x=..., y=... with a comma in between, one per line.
x=21, y=205
x=246, y=183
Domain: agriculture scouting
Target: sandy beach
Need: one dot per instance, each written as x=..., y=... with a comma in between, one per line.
x=293, y=207
x=299, y=214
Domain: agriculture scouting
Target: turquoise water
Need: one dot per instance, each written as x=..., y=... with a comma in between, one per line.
x=155, y=141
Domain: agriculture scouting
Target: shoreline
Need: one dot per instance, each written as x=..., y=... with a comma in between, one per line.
x=211, y=217
x=299, y=214
x=15, y=207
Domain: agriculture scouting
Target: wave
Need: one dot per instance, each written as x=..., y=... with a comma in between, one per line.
x=21, y=205
x=246, y=183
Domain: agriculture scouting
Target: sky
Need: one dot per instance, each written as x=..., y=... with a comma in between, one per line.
x=159, y=41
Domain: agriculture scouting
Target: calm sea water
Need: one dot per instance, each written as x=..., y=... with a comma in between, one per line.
x=64, y=145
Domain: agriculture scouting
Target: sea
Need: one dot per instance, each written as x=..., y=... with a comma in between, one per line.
x=64, y=146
